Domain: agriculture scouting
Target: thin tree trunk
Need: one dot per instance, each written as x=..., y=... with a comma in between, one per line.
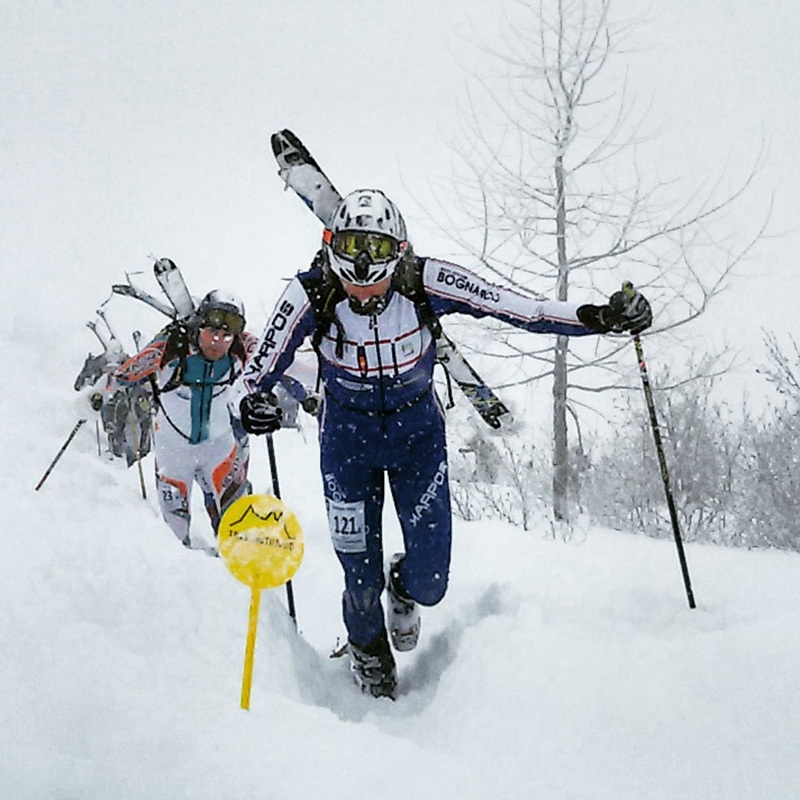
x=560, y=445
x=560, y=442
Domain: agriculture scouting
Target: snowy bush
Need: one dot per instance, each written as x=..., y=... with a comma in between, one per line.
x=499, y=475
x=705, y=455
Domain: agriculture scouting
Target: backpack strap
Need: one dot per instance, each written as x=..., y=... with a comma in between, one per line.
x=325, y=292
x=407, y=280
x=176, y=346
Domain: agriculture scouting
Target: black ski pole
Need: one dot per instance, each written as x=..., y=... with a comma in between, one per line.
x=59, y=453
x=627, y=287
x=276, y=490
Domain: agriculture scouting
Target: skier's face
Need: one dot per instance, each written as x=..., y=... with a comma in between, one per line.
x=366, y=299
x=214, y=343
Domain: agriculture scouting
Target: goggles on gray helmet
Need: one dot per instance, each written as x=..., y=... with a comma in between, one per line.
x=222, y=320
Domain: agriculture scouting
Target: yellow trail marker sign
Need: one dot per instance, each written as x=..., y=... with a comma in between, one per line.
x=261, y=543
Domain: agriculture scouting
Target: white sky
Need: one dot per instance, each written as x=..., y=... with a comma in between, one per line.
x=137, y=128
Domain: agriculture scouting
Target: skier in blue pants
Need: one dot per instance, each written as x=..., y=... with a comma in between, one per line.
x=371, y=309
x=409, y=447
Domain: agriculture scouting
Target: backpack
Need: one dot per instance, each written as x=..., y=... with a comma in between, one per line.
x=178, y=336
x=325, y=292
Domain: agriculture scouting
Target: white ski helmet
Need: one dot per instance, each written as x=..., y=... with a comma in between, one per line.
x=366, y=239
x=222, y=309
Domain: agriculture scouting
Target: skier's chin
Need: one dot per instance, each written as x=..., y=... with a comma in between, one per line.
x=214, y=353
x=368, y=308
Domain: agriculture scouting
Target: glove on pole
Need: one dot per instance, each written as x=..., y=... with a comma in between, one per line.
x=260, y=413
x=628, y=289
x=276, y=490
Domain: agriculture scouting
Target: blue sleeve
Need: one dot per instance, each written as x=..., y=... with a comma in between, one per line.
x=291, y=321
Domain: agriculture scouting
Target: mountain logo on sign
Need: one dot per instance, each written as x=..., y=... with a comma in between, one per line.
x=252, y=519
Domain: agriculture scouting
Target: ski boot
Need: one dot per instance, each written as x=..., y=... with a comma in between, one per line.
x=402, y=614
x=373, y=667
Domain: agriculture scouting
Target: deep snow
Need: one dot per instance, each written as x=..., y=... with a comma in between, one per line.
x=551, y=670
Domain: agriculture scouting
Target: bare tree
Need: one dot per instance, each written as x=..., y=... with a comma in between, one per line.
x=556, y=201
x=783, y=368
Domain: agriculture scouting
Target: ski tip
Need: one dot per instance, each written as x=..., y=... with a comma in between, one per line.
x=493, y=418
x=289, y=151
x=283, y=140
x=163, y=265
x=290, y=137
x=276, y=143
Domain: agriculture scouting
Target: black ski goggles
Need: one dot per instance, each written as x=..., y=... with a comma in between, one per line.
x=223, y=320
x=379, y=246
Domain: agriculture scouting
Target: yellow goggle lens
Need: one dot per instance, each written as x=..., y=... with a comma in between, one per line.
x=348, y=244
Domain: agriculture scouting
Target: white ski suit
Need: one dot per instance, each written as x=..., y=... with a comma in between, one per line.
x=197, y=432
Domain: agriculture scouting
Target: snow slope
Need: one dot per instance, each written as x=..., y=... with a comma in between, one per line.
x=550, y=670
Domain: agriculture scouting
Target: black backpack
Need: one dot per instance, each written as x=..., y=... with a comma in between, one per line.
x=325, y=292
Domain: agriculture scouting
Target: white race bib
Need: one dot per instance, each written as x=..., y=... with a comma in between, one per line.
x=347, y=526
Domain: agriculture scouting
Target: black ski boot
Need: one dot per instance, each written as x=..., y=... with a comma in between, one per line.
x=402, y=614
x=373, y=667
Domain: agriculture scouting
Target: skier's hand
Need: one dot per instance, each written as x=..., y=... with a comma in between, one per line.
x=260, y=414
x=312, y=404
x=627, y=310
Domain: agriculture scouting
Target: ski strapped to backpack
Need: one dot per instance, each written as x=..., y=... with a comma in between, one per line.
x=125, y=413
x=177, y=334
x=170, y=279
x=300, y=172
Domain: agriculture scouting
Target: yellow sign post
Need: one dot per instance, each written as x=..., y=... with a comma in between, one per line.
x=261, y=543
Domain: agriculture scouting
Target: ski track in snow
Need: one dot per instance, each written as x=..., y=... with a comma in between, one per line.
x=551, y=669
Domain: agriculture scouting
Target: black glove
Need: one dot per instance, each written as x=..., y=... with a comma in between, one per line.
x=627, y=310
x=312, y=404
x=177, y=344
x=260, y=414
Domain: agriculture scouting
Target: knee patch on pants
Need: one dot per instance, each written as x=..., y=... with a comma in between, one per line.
x=173, y=499
x=427, y=590
x=361, y=602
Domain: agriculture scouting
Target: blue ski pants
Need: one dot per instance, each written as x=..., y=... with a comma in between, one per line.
x=357, y=450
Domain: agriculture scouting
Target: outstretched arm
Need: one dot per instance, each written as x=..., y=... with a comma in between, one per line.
x=454, y=289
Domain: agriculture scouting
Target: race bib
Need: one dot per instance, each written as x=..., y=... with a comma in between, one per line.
x=347, y=526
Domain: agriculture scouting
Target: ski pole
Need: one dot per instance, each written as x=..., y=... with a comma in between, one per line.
x=627, y=287
x=60, y=453
x=276, y=490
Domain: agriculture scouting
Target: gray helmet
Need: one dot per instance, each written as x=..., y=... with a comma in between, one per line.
x=221, y=309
